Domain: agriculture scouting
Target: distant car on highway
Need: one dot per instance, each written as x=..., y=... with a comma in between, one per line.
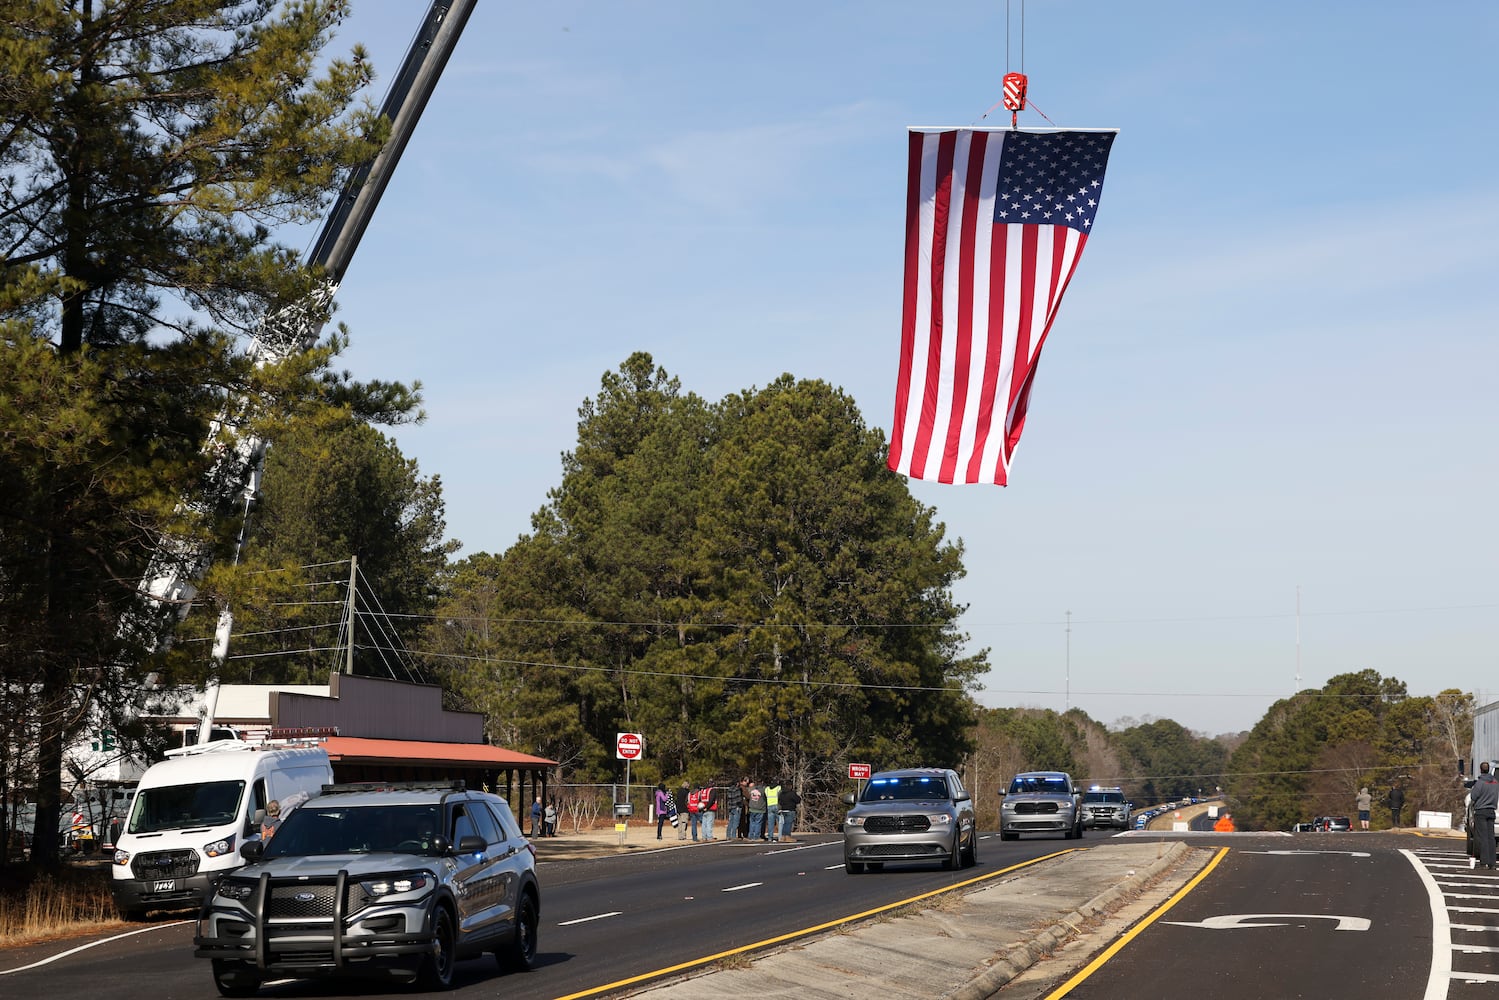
x=913, y=814
x=1041, y=802
x=1338, y=824
x=1303, y=827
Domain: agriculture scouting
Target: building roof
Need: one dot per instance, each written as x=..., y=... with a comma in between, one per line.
x=356, y=749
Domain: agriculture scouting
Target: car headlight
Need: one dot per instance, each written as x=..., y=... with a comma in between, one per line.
x=1007, y=806
x=122, y=857
x=855, y=822
x=396, y=884
x=219, y=848
x=939, y=819
x=231, y=889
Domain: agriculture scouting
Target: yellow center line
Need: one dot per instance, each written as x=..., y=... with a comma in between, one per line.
x=694, y=963
x=1113, y=949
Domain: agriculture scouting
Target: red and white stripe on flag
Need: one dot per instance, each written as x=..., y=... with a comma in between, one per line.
x=995, y=223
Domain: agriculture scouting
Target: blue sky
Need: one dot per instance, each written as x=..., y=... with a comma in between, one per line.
x=1273, y=373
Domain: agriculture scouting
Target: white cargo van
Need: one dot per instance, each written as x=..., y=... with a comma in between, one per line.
x=193, y=811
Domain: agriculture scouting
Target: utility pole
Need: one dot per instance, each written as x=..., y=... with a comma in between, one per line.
x=1067, y=692
x=353, y=583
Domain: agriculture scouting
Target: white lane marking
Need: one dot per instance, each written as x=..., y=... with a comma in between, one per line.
x=93, y=944
x=736, y=888
x=1475, y=949
x=584, y=920
x=1472, y=909
x=1474, y=977
x=1482, y=928
x=834, y=868
x=1468, y=895
x=1237, y=921
x=1354, y=854
x=1441, y=933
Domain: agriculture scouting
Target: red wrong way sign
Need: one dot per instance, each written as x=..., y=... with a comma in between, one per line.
x=628, y=746
x=860, y=771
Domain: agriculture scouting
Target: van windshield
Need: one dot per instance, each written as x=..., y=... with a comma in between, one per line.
x=181, y=807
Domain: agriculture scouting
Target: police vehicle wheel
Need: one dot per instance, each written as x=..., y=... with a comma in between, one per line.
x=233, y=979
x=520, y=953
x=437, y=968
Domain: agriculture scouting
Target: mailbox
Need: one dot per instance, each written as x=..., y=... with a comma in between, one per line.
x=623, y=809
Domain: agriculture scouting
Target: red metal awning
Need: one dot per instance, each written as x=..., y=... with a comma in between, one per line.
x=360, y=750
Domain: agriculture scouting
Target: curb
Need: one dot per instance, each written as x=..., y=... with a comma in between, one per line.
x=1027, y=953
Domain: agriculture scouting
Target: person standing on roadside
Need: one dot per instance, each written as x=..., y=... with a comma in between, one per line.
x=663, y=807
x=682, y=794
x=789, y=801
x=734, y=799
x=754, y=795
x=707, y=808
x=773, y=810
x=1362, y=804
x=536, y=817
x=1483, y=799
x=695, y=811
x=1397, y=805
x=549, y=823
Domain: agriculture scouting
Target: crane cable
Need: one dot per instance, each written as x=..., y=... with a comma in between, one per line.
x=1015, y=97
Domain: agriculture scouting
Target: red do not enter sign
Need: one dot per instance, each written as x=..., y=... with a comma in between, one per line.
x=627, y=746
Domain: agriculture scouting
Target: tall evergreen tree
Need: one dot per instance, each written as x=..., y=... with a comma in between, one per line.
x=746, y=583
x=146, y=148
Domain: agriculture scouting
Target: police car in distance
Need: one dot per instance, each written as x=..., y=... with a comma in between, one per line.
x=1105, y=807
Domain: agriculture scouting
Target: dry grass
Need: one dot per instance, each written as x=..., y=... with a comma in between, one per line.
x=36, y=905
x=736, y=961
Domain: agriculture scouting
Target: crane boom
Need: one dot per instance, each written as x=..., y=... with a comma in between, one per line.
x=174, y=570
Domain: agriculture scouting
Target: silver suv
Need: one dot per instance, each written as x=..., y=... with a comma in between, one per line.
x=1041, y=802
x=915, y=814
x=1105, y=807
x=396, y=880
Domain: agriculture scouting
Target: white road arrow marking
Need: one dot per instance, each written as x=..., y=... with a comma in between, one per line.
x=1351, y=854
x=1235, y=921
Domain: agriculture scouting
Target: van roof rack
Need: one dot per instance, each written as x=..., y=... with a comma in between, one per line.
x=450, y=785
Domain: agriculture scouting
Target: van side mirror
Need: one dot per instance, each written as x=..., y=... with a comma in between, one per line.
x=252, y=851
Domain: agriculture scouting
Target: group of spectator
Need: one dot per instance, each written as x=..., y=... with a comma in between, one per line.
x=544, y=818
x=757, y=810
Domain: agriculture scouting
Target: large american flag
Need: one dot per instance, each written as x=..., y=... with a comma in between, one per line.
x=995, y=223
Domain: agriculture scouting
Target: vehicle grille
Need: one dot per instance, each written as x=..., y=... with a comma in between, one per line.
x=1035, y=808
x=897, y=824
x=869, y=851
x=309, y=900
x=165, y=864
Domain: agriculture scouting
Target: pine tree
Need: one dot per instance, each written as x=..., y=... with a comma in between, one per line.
x=147, y=147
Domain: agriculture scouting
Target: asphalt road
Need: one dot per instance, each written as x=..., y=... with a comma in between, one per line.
x=603, y=920
x=1330, y=916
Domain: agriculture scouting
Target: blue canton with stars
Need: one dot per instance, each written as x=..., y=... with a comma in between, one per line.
x=1051, y=178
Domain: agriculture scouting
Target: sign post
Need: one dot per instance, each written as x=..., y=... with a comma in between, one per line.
x=627, y=747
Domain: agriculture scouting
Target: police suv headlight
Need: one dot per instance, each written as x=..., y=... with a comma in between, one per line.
x=854, y=822
x=219, y=848
x=230, y=889
x=939, y=819
x=397, y=884
x=1007, y=806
